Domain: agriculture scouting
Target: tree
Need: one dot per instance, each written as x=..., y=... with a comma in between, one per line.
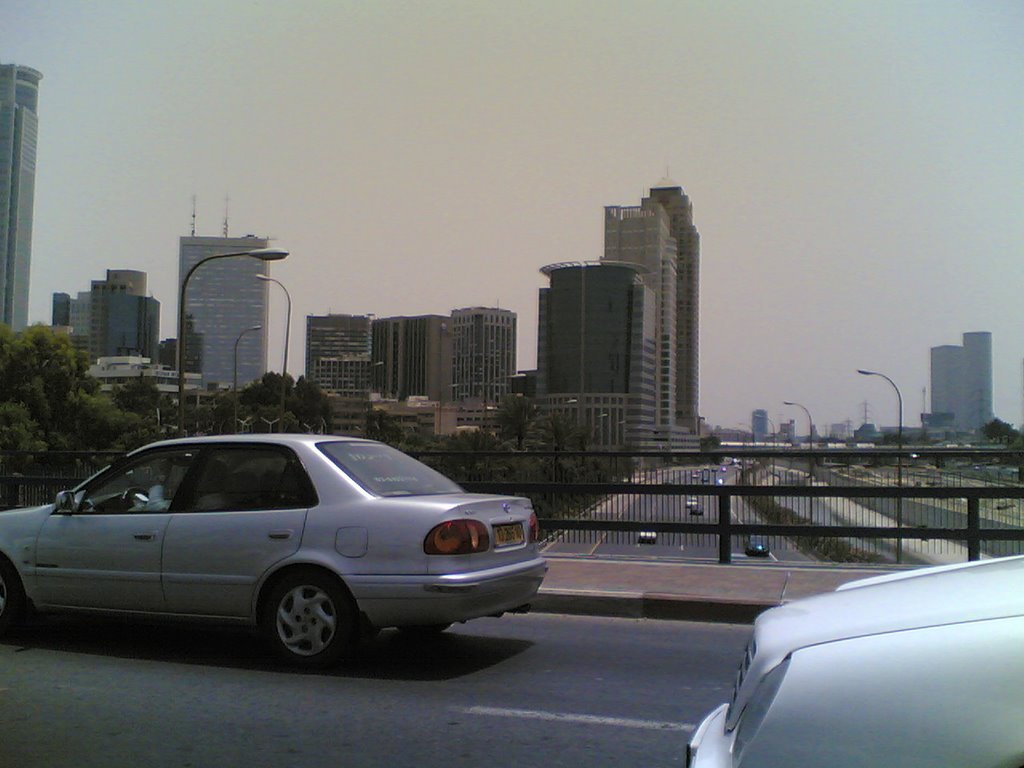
x=516, y=417
x=382, y=426
x=45, y=374
x=18, y=430
x=140, y=395
x=558, y=432
x=307, y=408
x=309, y=405
x=998, y=431
x=710, y=443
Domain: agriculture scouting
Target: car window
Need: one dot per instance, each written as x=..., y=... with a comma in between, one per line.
x=147, y=483
x=386, y=471
x=238, y=479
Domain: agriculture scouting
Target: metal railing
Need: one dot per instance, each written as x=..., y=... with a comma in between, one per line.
x=924, y=506
x=913, y=506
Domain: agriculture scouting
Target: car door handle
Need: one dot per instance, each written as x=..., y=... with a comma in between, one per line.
x=145, y=536
x=280, y=535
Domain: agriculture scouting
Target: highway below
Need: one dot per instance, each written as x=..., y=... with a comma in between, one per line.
x=537, y=690
x=918, y=514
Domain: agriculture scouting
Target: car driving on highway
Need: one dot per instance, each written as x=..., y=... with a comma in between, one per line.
x=922, y=669
x=309, y=538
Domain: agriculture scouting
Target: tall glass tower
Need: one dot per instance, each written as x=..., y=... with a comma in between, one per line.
x=660, y=236
x=224, y=298
x=962, y=381
x=19, y=101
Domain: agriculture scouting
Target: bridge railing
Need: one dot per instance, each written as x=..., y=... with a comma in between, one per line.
x=880, y=505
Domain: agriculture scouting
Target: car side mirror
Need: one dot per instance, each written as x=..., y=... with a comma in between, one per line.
x=66, y=503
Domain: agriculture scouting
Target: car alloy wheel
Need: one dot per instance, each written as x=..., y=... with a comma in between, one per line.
x=309, y=619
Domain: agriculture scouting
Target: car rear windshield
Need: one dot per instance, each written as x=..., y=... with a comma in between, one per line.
x=384, y=471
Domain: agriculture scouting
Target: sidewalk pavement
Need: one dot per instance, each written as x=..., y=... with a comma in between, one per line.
x=680, y=590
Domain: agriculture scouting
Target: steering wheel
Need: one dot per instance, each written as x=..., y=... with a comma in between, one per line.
x=135, y=496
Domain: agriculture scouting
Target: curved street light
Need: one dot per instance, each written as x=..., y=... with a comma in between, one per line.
x=234, y=380
x=287, y=333
x=263, y=254
x=899, y=458
x=810, y=423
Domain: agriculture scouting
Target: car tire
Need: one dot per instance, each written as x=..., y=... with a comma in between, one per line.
x=309, y=619
x=12, y=596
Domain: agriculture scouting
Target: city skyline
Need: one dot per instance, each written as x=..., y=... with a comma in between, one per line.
x=856, y=175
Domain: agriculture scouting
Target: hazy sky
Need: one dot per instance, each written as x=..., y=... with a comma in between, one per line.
x=856, y=168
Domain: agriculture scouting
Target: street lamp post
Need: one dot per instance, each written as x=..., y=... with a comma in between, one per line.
x=899, y=458
x=287, y=333
x=263, y=254
x=234, y=380
x=810, y=423
x=810, y=444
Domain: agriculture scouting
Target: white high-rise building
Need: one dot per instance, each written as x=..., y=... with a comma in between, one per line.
x=962, y=381
x=224, y=298
x=483, y=353
x=19, y=102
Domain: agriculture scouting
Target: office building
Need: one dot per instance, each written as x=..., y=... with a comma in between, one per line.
x=338, y=353
x=483, y=353
x=412, y=357
x=60, y=311
x=223, y=299
x=961, y=378
x=524, y=383
x=19, y=127
x=659, y=236
x=597, y=355
x=123, y=320
x=117, y=371
x=759, y=425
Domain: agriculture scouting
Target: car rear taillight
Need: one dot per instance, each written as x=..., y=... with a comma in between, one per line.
x=457, y=537
x=534, y=528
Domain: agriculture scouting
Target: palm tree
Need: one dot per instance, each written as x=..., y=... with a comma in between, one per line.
x=515, y=418
x=561, y=433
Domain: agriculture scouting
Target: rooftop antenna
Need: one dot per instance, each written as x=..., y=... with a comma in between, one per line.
x=193, y=215
x=227, y=202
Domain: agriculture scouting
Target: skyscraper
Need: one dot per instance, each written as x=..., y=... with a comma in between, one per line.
x=962, y=381
x=483, y=353
x=223, y=298
x=338, y=353
x=596, y=353
x=659, y=235
x=60, y=314
x=412, y=356
x=19, y=102
x=123, y=319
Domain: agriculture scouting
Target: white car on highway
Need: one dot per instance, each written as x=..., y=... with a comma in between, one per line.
x=309, y=538
x=921, y=669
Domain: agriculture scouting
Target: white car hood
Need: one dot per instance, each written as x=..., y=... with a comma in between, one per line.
x=911, y=600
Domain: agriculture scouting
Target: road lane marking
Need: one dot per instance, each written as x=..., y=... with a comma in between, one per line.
x=567, y=717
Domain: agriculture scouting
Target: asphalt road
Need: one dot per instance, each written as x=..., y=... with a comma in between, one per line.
x=535, y=690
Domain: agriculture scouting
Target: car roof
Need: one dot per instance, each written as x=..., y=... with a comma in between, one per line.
x=286, y=438
x=926, y=597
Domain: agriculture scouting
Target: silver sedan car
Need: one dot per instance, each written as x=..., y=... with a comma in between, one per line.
x=922, y=669
x=310, y=538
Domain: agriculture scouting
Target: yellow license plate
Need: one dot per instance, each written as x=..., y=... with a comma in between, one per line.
x=507, y=535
